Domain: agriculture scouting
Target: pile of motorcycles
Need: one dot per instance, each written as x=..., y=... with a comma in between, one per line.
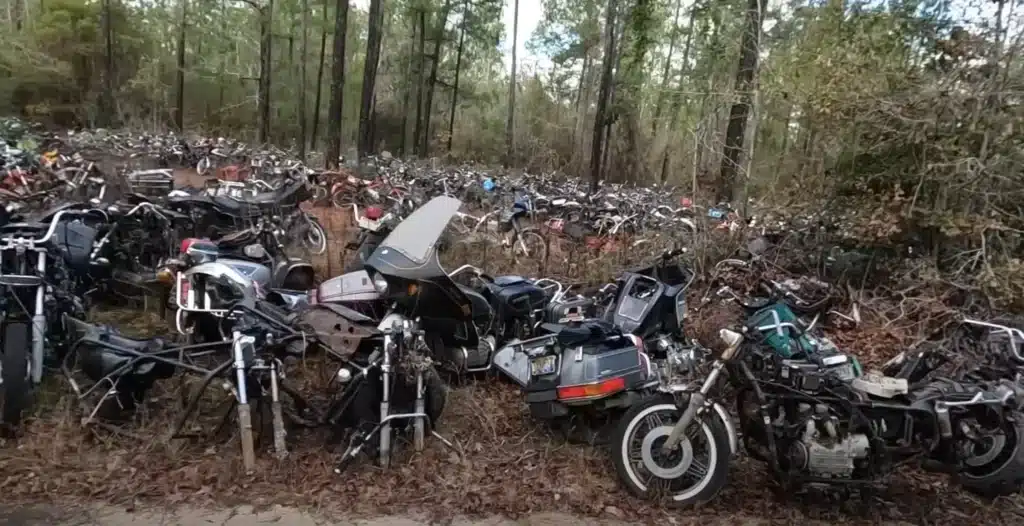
x=614, y=365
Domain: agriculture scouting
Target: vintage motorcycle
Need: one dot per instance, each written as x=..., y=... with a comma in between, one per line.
x=256, y=254
x=38, y=264
x=459, y=338
x=805, y=409
x=582, y=372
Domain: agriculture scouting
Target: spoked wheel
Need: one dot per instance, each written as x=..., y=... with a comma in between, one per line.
x=531, y=246
x=315, y=239
x=691, y=474
x=343, y=198
x=15, y=374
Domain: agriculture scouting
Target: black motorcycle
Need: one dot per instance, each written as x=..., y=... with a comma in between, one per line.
x=218, y=215
x=807, y=412
x=459, y=338
x=40, y=259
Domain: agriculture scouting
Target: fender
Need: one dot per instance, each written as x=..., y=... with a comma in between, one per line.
x=293, y=274
x=730, y=427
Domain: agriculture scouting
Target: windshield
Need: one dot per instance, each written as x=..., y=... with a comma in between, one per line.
x=416, y=236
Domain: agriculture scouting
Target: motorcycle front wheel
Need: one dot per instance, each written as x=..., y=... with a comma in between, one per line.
x=996, y=467
x=16, y=385
x=690, y=475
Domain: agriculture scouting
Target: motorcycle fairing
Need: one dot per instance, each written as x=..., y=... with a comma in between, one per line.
x=294, y=274
x=629, y=312
x=410, y=253
x=352, y=286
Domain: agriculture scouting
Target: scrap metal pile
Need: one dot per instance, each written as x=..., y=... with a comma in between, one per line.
x=616, y=364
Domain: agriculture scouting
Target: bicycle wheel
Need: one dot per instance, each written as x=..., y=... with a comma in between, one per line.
x=531, y=246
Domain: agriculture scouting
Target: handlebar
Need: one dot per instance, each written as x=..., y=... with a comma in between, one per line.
x=52, y=229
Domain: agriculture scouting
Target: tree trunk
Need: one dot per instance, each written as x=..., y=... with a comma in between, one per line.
x=666, y=73
x=179, y=106
x=418, y=125
x=303, y=56
x=333, y=150
x=106, y=102
x=435, y=60
x=677, y=97
x=266, y=23
x=732, y=153
x=580, y=114
x=603, y=94
x=407, y=97
x=365, y=142
x=455, y=87
x=319, y=81
x=510, y=122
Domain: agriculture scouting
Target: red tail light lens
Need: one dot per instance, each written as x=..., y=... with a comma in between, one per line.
x=593, y=390
x=184, y=287
x=373, y=213
x=186, y=243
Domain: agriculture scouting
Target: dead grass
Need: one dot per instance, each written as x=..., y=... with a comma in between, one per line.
x=503, y=461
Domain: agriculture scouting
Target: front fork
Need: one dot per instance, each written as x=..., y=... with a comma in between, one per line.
x=39, y=323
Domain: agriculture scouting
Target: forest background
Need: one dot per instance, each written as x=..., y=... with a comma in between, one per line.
x=904, y=115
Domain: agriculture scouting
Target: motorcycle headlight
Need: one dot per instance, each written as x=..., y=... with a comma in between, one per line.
x=379, y=283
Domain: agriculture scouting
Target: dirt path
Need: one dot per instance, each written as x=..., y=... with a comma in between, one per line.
x=284, y=516
x=246, y=516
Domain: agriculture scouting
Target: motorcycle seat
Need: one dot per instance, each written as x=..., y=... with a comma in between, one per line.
x=85, y=330
x=142, y=346
x=235, y=240
x=506, y=281
x=579, y=333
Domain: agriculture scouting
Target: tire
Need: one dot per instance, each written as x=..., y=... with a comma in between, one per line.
x=532, y=238
x=435, y=394
x=316, y=237
x=16, y=389
x=715, y=439
x=1003, y=474
x=343, y=198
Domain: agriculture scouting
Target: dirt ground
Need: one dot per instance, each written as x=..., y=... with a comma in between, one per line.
x=284, y=516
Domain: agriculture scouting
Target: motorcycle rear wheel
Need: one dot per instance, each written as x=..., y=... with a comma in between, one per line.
x=640, y=475
x=1004, y=474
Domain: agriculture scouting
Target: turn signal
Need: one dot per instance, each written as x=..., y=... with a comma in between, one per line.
x=594, y=390
x=165, y=276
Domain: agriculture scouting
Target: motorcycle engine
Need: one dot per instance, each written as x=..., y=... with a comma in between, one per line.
x=822, y=451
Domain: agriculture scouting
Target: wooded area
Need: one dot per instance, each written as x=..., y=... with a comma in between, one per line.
x=913, y=103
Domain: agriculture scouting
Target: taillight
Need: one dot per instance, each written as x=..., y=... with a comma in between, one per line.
x=372, y=212
x=186, y=243
x=184, y=287
x=592, y=390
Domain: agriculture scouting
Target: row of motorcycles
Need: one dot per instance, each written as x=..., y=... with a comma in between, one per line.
x=396, y=324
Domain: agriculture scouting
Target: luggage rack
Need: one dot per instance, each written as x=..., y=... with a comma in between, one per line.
x=153, y=184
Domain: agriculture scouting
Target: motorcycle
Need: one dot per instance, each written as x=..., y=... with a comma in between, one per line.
x=254, y=255
x=38, y=263
x=218, y=215
x=584, y=371
x=806, y=410
x=457, y=329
